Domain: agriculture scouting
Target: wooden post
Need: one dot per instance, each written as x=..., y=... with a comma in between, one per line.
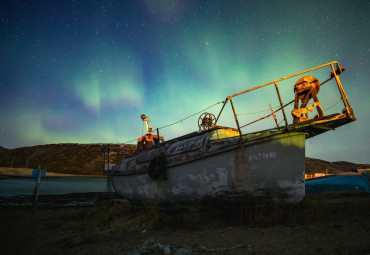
x=36, y=189
x=108, y=157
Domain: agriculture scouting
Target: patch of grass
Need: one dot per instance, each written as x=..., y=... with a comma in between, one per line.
x=318, y=208
x=330, y=206
x=121, y=216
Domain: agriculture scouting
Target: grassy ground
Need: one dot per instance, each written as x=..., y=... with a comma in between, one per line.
x=321, y=224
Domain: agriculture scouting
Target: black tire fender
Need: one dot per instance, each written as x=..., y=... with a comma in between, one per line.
x=156, y=167
x=143, y=142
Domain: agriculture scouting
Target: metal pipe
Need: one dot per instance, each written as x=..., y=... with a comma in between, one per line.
x=281, y=104
x=349, y=108
x=221, y=110
x=340, y=87
x=273, y=114
x=284, y=78
x=236, y=117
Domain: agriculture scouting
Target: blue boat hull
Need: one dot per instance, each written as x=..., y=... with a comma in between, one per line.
x=338, y=184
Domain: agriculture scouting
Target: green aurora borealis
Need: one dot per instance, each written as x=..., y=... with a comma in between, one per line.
x=84, y=71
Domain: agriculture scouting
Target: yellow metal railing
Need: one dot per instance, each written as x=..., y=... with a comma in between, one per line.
x=336, y=69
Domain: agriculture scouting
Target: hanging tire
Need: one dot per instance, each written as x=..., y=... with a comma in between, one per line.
x=156, y=167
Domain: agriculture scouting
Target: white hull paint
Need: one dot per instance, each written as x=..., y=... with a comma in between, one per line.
x=272, y=169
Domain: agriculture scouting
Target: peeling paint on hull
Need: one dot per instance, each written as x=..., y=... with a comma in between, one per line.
x=271, y=169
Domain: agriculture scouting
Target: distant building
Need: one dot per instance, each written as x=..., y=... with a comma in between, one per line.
x=315, y=175
x=365, y=171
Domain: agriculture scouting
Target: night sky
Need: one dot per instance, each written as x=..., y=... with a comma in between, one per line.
x=84, y=71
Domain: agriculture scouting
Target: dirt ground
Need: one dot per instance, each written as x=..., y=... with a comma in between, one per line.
x=109, y=225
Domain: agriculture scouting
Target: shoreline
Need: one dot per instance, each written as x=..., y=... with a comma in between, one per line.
x=7, y=172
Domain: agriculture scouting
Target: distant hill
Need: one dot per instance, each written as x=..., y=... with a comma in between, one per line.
x=64, y=158
x=322, y=166
x=87, y=159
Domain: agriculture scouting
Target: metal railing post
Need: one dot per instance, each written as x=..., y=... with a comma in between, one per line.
x=219, y=114
x=236, y=117
x=345, y=100
x=281, y=104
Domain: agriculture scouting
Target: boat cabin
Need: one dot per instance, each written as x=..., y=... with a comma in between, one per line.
x=147, y=141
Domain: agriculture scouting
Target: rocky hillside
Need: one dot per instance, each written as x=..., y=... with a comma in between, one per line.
x=322, y=166
x=87, y=159
x=64, y=158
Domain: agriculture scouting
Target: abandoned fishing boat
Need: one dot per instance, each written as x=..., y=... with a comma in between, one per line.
x=234, y=164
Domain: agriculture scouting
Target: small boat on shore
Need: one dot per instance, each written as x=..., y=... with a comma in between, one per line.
x=219, y=163
x=341, y=183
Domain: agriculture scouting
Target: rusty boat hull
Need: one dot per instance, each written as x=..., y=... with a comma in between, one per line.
x=271, y=167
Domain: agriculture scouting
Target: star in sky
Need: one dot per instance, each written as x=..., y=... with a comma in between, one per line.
x=84, y=71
